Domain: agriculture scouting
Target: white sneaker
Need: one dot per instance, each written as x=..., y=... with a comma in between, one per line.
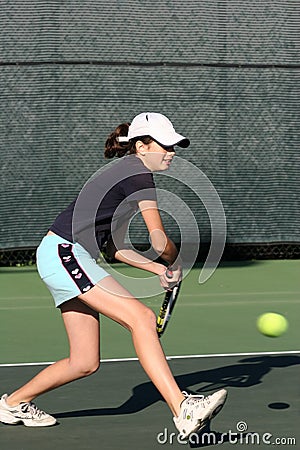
x=28, y=413
x=197, y=410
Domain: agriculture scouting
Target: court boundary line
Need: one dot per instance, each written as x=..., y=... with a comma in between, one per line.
x=169, y=358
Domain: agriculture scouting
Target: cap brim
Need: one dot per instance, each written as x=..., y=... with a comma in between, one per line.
x=174, y=139
x=184, y=143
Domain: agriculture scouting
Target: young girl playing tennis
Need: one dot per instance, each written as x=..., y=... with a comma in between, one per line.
x=82, y=289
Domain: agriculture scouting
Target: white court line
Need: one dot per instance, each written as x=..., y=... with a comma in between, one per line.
x=242, y=302
x=227, y=294
x=211, y=355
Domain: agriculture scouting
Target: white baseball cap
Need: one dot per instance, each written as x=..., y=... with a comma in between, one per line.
x=156, y=126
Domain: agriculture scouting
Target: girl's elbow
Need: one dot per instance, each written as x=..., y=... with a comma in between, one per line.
x=159, y=250
x=159, y=241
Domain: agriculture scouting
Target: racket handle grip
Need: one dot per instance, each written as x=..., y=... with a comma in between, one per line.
x=169, y=272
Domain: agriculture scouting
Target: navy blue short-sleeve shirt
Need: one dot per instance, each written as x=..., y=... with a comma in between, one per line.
x=108, y=199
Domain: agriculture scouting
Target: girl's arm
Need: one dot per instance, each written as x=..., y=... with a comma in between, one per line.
x=117, y=249
x=161, y=243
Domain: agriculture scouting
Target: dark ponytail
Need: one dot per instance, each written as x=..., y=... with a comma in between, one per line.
x=115, y=148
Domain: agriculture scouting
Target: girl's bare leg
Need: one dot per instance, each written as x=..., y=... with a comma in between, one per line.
x=81, y=321
x=82, y=326
x=112, y=300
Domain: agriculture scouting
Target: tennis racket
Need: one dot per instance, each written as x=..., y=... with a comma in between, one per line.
x=167, y=307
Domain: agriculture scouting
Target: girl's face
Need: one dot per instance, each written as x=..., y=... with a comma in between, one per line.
x=154, y=156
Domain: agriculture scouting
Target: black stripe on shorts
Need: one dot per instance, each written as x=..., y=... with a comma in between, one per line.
x=73, y=268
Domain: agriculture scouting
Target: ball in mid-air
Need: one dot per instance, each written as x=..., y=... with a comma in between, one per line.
x=272, y=324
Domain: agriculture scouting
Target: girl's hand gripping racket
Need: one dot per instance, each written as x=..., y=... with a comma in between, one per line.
x=167, y=306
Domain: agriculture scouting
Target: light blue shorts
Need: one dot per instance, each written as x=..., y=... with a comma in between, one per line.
x=67, y=268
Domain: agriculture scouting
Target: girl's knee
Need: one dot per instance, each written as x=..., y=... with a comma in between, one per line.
x=150, y=317
x=85, y=368
x=146, y=318
x=92, y=368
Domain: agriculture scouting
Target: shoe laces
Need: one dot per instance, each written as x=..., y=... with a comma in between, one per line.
x=194, y=399
x=32, y=409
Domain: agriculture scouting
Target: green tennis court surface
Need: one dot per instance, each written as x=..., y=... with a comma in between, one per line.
x=216, y=317
x=118, y=407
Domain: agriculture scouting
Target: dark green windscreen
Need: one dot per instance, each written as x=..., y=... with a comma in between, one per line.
x=225, y=72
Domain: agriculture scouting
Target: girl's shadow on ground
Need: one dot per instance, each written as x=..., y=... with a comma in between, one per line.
x=247, y=372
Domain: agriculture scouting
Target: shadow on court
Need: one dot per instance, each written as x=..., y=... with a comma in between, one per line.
x=248, y=372
x=136, y=417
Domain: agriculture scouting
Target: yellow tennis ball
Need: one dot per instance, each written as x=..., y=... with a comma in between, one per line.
x=272, y=324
